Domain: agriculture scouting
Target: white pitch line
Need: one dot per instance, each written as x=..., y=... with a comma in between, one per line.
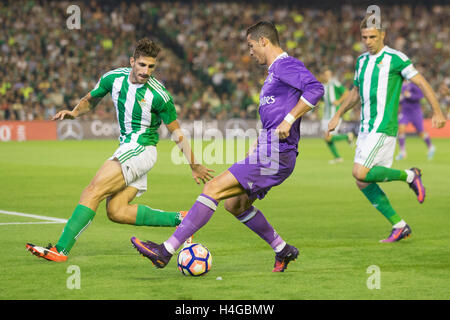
x=34, y=216
x=43, y=222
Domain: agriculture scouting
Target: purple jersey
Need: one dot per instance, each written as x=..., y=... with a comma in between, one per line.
x=272, y=162
x=412, y=102
x=287, y=82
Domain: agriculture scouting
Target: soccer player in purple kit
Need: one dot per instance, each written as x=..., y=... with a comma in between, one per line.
x=411, y=111
x=289, y=91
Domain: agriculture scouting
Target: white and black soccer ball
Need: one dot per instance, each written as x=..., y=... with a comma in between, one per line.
x=194, y=260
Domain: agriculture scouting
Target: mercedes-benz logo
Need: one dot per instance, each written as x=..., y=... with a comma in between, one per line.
x=69, y=129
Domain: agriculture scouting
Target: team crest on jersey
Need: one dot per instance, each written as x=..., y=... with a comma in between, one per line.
x=143, y=103
x=270, y=77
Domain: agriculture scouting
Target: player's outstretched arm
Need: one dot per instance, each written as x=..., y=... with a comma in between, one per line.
x=199, y=172
x=438, y=120
x=86, y=103
x=342, y=98
x=350, y=101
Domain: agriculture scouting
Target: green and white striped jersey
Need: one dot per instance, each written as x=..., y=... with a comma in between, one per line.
x=333, y=91
x=379, y=78
x=139, y=107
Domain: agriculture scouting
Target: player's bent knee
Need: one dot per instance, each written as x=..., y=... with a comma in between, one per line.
x=232, y=207
x=114, y=211
x=359, y=174
x=91, y=193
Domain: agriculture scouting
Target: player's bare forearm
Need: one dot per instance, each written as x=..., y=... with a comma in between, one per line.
x=199, y=172
x=342, y=99
x=350, y=101
x=300, y=109
x=85, y=105
x=438, y=119
x=181, y=142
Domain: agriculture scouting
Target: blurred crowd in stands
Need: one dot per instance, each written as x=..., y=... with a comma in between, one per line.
x=205, y=64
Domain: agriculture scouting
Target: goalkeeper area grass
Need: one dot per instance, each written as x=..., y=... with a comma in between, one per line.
x=318, y=209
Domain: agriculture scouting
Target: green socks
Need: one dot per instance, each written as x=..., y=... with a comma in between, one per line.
x=333, y=149
x=383, y=174
x=147, y=216
x=78, y=222
x=379, y=200
x=82, y=217
x=339, y=137
x=332, y=146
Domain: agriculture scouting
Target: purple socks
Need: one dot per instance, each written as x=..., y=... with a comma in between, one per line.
x=401, y=142
x=427, y=140
x=202, y=211
x=198, y=216
x=255, y=220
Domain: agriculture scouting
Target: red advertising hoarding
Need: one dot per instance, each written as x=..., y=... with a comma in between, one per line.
x=433, y=132
x=27, y=130
x=97, y=129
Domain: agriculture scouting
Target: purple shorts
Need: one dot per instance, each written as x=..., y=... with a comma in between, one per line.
x=258, y=174
x=415, y=116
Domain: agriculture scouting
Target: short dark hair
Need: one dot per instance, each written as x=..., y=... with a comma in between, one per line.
x=146, y=48
x=264, y=29
x=364, y=24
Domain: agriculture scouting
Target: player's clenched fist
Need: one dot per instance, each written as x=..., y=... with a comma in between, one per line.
x=283, y=130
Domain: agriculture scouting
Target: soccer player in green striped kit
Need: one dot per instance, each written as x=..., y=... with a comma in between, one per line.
x=335, y=93
x=141, y=103
x=379, y=74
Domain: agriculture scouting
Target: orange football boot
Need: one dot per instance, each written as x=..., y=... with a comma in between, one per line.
x=49, y=253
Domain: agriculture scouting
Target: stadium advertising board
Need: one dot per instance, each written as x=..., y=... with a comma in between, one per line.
x=98, y=129
x=204, y=129
x=27, y=130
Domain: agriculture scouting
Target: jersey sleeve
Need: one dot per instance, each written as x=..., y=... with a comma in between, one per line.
x=103, y=86
x=168, y=112
x=404, y=66
x=296, y=75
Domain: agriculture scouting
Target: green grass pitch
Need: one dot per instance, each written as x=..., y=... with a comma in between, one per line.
x=318, y=209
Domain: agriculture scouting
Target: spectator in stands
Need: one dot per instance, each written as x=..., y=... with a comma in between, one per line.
x=205, y=63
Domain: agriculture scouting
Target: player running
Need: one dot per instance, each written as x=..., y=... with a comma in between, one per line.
x=141, y=103
x=335, y=93
x=289, y=91
x=411, y=112
x=379, y=74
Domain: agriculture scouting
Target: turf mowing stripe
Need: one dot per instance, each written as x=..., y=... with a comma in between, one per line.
x=34, y=216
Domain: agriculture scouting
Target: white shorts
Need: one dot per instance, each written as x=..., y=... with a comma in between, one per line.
x=324, y=126
x=375, y=149
x=136, y=161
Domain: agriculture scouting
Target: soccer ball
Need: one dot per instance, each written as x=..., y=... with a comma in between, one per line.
x=194, y=260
